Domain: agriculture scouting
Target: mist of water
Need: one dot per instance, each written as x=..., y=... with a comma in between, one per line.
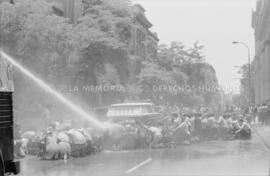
x=53, y=92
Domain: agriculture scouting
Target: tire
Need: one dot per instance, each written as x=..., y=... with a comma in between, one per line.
x=2, y=165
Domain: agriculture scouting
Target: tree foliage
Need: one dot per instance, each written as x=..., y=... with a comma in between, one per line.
x=247, y=84
x=62, y=53
x=181, y=76
x=95, y=51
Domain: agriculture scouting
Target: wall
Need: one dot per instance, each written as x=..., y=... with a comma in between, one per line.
x=261, y=25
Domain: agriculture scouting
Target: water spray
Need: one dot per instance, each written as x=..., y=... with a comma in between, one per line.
x=53, y=92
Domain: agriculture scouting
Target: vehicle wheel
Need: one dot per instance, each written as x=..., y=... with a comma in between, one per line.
x=2, y=166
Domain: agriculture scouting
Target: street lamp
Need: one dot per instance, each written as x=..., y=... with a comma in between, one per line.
x=249, y=69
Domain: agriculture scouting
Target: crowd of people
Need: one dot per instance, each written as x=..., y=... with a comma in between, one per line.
x=58, y=141
x=185, y=126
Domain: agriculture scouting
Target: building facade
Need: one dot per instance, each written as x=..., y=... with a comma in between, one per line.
x=143, y=41
x=261, y=25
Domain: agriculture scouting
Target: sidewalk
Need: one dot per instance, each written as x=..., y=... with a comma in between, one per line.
x=263, y=132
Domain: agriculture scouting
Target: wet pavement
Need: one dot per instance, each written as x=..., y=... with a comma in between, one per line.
x=264, y=133
x=208, y=158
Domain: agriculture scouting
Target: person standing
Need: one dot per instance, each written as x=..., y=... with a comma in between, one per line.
x=197, y=125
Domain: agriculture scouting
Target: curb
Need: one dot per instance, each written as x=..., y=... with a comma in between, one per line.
x=260, y=137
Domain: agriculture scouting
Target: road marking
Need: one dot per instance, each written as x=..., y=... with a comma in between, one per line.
x=138, y=166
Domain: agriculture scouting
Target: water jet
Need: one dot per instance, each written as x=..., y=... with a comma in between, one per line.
x=55, y=93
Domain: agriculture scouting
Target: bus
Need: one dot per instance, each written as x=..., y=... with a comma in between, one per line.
x=7, y=162
x=143, y=111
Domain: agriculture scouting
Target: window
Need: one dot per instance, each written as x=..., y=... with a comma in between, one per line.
x=140, y=46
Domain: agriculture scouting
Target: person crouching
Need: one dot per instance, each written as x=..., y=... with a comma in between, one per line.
x=244, y=131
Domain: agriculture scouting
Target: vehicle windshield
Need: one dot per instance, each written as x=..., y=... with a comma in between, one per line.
x=129, y=110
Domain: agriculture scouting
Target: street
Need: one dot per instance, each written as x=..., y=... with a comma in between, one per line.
x=134, y=87
x=248, y=157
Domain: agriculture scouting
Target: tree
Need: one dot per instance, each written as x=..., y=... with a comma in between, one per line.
x=248, y=91
x=182, y=75
x=31, y=31
x=91, y=52
x=94, y=51
x=62, y=53
x=102, y=36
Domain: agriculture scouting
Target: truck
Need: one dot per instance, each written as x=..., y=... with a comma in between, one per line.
x=7, y=163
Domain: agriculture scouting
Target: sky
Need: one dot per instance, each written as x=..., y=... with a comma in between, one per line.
x=214, y=23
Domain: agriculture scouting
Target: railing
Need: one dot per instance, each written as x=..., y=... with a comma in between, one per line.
x=6, y=116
